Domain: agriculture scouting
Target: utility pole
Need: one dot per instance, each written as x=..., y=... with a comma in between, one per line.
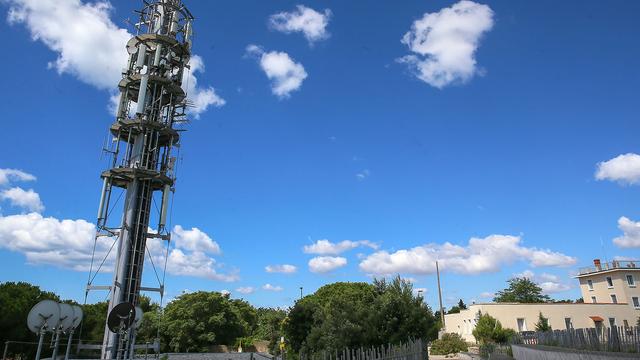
x=300, y=292
x=440, y=297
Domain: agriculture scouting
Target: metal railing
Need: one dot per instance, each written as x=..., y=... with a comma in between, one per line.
x=609, y=266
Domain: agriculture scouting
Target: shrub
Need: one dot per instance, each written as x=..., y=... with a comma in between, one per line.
x=450, y=343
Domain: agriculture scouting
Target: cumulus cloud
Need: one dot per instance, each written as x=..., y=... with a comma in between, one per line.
x=246, y=290
x=624, y=169
x=311, y=23
x=199, y=98
x=481, y=255
x=10, y=175
x=269, y=287
x=363, y=174
x=26, y=199
x=630, y=233
x=90, y=46
x=194, y=240
x=325, y=264
x=549, y=283
x=326, y=247
x=284, y=269
x=69, y=243
x=487, y=295
x=285, y=74
x=444, y=43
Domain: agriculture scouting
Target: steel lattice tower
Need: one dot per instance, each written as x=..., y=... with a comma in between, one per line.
x=151, y=106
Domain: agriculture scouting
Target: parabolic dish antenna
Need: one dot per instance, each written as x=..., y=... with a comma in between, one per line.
x=121, y=317
x=66, y=317
x=77, y=316
x=45, y=315
x=138, y=319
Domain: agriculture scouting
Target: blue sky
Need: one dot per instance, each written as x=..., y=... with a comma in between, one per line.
x=360, y=148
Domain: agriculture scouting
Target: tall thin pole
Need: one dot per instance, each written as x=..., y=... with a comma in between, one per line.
x=300, y=292
x=440, y=296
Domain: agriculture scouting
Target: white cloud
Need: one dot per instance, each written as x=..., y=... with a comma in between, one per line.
x=303, y=19
x=325, y=264
x=90, y=46
x=194, y=240
x=487, y=295
x=326, y=247
x=62, y=243
x=196, y=264
x=27, y=199
x=481, y=255
x=630, y=233
x=624, y=169
x=269, y=287
x=549, y=283
x=199, y=98
x=446, y=41
x=246, y=290
x=363, y=174
x=225, y=292
x=69, y=243
x=9, y=175
x=284, y=269
x=285, y=74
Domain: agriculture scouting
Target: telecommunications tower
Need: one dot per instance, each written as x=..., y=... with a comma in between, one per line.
x=145, y=135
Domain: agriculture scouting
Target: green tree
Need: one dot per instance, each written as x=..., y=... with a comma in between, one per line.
x=521, y=290
x=16, y=299
x=450, y=343
x=270, y=326
x=457, y=308
x=543, y=323
x=195, y=321
x=358, y=314
x=489, y=330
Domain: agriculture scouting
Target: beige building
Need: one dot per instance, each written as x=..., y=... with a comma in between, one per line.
x=611, y=296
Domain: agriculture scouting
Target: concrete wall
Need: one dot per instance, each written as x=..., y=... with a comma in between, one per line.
x=579, y=316
x=530, y=352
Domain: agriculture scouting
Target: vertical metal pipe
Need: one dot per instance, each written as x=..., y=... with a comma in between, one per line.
x=6, y=350
x=440, y=297
x=40, y=341
x=102, y=196
x=66, y=355
x=55, y=347
x=142, y=94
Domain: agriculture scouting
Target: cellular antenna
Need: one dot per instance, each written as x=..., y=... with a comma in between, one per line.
x=150, y=111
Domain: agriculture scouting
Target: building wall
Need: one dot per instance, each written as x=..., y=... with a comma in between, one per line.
x=602, y=291
x=509, y=313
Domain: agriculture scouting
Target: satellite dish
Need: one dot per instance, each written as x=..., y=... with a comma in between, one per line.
x=66, y=317
x=138, y=319
x=121, y=317
x=45, y=315
x=77, y=316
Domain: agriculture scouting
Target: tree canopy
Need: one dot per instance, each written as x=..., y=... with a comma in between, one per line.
x=521, y=290
x=358, y=314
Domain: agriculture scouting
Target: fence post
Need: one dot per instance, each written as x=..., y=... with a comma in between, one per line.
x=6, y=350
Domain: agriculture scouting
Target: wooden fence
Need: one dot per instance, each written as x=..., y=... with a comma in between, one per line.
x=411, y=350
x=616, y=338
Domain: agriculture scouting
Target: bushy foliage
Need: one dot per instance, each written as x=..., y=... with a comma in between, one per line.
x=16, y=299
x=490, y=330
x=344, y=314
x=450, y=343
x=543, y=323
x=521, y=290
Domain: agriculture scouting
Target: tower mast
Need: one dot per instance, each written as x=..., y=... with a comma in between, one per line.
x=152, y=104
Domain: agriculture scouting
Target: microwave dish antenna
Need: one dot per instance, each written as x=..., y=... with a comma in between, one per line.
x=66, y=317
x=44, y=316
x=121, y=317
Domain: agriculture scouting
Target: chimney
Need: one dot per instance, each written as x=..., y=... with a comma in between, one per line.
x=597, y=264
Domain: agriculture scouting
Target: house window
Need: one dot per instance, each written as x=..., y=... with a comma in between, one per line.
x=590, y=284
x=636, y=302
x=522, y=325
x=614, y=298
x=609, y=282
x=631, y=281
x=593, y=299
x=612, y=322
x=568, y=323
